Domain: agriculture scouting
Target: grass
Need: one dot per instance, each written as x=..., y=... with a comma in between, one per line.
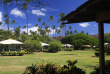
x=17, y=64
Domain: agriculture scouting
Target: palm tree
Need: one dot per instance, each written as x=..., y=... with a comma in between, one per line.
x=25, y=7
x=71, y=32
x=24, y=28
x=39, y=29
x=13, y=22
x=39, y=20
x=54, y=27
x=7, y=21
x=61, y=27
x=51, y=19
x=75, y=31
x=68, y=33
x=0, y=23
x=43, y=24
x=36, y=26
x=70, y=27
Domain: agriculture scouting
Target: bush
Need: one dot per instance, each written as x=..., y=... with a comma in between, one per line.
x=52, y=68
x=14, y=53
x=45, y=50
x=69, y=49
x=97, y=49
x=107, y=67
x=21, y=53
x=33, y=45
x=3, y=53
x=55, y=46
x=96, y=53
x=10, y=53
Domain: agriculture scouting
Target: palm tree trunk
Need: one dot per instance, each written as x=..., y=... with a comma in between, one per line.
x=53, y=29
x=27, y=20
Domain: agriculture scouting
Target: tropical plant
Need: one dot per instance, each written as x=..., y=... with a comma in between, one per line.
x=51, y=19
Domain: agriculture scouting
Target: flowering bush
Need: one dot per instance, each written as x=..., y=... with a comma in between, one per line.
x=52, y=68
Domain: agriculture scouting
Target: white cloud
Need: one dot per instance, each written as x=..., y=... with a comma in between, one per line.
x=84, y=24
x=38, y=13
x=1, y=16
x=31, y=28
x=95, y=25
x=17, y=13
x=43, y=9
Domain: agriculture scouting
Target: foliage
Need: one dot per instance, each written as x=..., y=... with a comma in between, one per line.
x=55, y=46
x=14, y=53
x=52, y=68
x=80, y=39
x=33, y=44
x=107, y=38
x=69, y=49
x=96, y=53
x=107, y=67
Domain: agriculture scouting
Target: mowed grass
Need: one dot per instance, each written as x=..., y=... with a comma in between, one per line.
x=17, y=64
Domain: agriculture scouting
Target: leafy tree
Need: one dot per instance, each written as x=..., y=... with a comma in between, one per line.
x=82, y=31
x=80, y=39
x=107, y=38
x=33, y=44
x=55, y=46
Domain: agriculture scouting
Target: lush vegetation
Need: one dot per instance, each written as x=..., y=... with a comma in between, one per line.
x=51, y=68
x=55, y=46
x=17, y=64
x=33, y=45
x=80, y=39
x=14, y=53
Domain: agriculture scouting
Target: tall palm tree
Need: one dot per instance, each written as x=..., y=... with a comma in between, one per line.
x=24, y=28
x=68, y=33
x=51, y=19
x=43, y=24
x=71, y=32
x=75, y=31
x=25, y=7
x=7, y=21
x=36, y=25
x=13, y=22
x=54, y=27
x=0, y=23
x=39, y=20
x=70, y=27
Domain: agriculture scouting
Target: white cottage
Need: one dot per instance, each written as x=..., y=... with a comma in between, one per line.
x=10, y=45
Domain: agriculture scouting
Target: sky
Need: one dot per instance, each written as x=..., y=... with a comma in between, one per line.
x=53, y=8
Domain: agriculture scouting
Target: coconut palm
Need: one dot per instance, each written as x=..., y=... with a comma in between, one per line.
x=25, y=7
x=54, y=27
x=71, y=32
x=0, y=23
x=7, y=21
x=70, y=27
x=13, y=22
x=75, y=31
x=51, y=19
x=68, y=33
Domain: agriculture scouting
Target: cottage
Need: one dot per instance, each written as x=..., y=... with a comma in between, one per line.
x=10, y=45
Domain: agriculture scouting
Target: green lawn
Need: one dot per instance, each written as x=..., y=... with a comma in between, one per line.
x=17, y=64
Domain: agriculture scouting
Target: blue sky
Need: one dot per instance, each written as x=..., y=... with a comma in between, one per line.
x=53, y=8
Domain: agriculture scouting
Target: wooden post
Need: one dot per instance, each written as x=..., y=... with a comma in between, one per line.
x=101, y=48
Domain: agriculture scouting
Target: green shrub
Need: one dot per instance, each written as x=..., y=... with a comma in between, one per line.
x=45, y=50
x=69, y=49
x=55, y=46
x=33, y=45
x=3, y=53
x=21, y=53
x=96, y=53
x=10, y=53
x=14, y=53
x=97, y=49
x=52, y=68
x=107, y=67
